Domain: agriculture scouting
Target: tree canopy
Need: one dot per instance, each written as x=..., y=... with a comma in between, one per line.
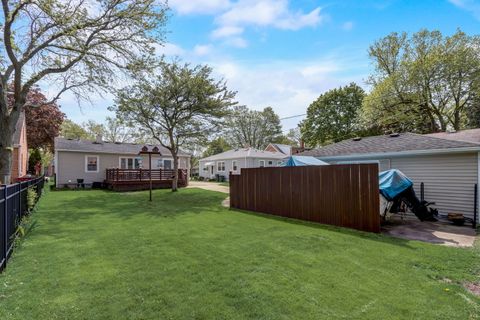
x=217, y=145
x=178, y=105
x=252, y=128
x=74, y=45
x=334, y=116
x=423, y=83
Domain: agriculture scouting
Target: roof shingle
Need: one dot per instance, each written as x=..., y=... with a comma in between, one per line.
x=387, y=144
x=105, y=147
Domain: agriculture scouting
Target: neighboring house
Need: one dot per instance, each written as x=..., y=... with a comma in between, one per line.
x=20, y=149
x=449, y=169
x=234, y=160
x=88, y=160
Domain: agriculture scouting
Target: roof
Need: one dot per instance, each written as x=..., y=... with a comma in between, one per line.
x=79, y=145
x=18, y=129
x=400, y=143
x=283, y=148
x=471, y=135
x=245, y=153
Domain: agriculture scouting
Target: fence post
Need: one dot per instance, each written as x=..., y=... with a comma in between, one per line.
x=422, y=192
x=5, y=204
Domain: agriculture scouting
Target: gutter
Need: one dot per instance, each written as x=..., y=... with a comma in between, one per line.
x=399, y=154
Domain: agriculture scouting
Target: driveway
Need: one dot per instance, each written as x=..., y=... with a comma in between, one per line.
x=212, y=186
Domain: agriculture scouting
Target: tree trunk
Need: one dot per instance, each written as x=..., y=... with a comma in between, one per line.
x=6, y=149
x=175, y=172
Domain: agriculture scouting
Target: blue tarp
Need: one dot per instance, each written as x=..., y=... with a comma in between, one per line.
x=296, y=161
x=392, y=183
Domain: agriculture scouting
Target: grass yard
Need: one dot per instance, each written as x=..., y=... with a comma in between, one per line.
x=103, y=255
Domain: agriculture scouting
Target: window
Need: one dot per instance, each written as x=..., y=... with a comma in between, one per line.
x=130, y=163
x=270, y=162
x=167, y=164
x=234, y=165
x=221, y=166
x=91, y=163
x=261, y=163
x=164, y=164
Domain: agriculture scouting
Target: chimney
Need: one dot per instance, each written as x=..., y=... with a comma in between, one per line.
x=99, y=139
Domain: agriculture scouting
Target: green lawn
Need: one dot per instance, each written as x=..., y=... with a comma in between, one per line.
x=103, y=255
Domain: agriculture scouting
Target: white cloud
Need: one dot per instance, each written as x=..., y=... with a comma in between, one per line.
x=169, y=49
x=471, y=6
x=237, y=42
x=199, y=6
x=202, y=50
x=347, y=26
x=262, y=13
x=227, y=31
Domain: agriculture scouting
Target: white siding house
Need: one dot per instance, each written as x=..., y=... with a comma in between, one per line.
x=233, y=161
x=449, y=169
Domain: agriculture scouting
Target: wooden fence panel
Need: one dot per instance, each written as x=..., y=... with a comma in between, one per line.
x=342, y=195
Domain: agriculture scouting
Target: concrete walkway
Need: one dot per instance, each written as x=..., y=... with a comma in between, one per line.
x=212, y=186
x=439, y=232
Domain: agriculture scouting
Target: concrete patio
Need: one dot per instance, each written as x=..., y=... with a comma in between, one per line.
x=440, y=232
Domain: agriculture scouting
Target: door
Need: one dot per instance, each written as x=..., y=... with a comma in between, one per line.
x=167, y=164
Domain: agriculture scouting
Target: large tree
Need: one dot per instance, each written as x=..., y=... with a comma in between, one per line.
x=179, y=105
x=334, y=116
x=217, y=145
x=252, y=128
x=425, y=82
x=71, y=45
x=72, y=130
x=43, y=122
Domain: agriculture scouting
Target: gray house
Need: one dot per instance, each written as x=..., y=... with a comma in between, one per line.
x=448, y=168
x=234, y=160
x=88, y=160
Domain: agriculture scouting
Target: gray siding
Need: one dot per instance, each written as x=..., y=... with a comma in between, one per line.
x=449, y=179
x=70, y=166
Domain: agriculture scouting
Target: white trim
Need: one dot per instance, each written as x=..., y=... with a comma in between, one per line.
x=129, y=157
x=56, y=168
x=234, y=165
x=86, y=163
x=478, y=186
x=399, y=154
x=260, y=161
x=117, y=153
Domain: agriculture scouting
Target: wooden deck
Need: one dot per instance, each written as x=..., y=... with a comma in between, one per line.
x=139, y=179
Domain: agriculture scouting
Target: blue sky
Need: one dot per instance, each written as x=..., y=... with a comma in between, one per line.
x=284, y=53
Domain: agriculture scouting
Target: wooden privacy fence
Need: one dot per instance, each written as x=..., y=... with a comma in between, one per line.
x=13, y=207
x=341, y=195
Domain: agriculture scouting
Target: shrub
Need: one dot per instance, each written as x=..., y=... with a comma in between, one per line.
x=32, y=197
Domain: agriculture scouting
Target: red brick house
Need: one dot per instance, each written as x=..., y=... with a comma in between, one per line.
x=20, y=149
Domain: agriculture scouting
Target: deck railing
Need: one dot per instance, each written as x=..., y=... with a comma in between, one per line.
x=140, y=175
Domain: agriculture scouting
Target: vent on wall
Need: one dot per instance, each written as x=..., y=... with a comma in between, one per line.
x=395, y=134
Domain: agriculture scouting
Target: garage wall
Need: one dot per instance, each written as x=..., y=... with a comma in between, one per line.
x=449, y=179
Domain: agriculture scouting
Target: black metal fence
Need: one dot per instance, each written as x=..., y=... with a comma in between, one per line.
x=13, y=207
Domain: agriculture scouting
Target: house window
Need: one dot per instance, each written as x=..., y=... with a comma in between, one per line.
x=164, y=164
x=261, y=163
x=270, y=162
x=221, y=166
x=130, y=163
x=234, y=165
x=91, y=163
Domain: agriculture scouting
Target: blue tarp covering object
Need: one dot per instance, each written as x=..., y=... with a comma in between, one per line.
x=392, y=183
x=296, y=161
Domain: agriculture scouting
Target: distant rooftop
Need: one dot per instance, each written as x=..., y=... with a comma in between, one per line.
x=63, y=144
x=387, y=144
x=245, y=153
x=470, y=135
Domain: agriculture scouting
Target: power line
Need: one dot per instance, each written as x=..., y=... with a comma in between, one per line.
x=295, y=116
